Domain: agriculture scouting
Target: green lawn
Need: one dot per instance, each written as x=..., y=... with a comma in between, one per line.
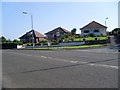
x=82, y=46
x=90, y=38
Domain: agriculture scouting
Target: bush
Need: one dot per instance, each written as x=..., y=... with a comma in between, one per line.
x=96, y=39
x=84, y=39
x=103, y=35
x=77, y=36
x=54, y=43
x=92, y=35
x=86, y=35
x=29, y=44
x=44, y=41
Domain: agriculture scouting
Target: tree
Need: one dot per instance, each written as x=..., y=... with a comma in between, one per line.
x=64, y=38
x=3, y=39
x=73, y=31
x=9, y=41
x=116, y=31
x=17, y=41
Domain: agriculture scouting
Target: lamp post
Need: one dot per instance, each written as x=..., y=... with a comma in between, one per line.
x=106, y=33
x=105, y=20
x=31, y=27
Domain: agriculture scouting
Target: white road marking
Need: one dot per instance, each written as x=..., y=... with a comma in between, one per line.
x=92, y=64
x=106, y=66
x=73, y=61
x=50, y=57
x=80, y=62
x=43, y=57
x=114, y=67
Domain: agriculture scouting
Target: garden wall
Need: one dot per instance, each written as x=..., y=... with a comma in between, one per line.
x=96, y=42
x=71, y=43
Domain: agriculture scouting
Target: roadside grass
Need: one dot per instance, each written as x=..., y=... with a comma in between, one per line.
x=82, y=46
x=68, y=47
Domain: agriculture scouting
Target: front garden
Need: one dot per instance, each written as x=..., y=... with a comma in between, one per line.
x=74, y=38
x=78, y=38
x=91, y=38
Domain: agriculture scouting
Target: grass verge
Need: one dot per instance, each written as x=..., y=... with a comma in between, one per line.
x=68, y=47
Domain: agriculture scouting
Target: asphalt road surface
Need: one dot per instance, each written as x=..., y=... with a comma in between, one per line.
x=89, y=68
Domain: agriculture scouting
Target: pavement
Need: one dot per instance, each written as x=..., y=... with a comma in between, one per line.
x=81, y=68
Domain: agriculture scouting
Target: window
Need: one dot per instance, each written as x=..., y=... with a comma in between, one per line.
x=96, y=30
x=58, y=34
x=46, y=36
x=53, y=35
x=86, y=31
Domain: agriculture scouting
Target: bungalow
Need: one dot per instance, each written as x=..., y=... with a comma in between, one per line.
x=93, y=28
x=56, y=33
x=27, y=38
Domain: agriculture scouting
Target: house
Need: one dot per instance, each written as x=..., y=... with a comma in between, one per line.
x=28, y=37
x=56, y=33
x=93, y=28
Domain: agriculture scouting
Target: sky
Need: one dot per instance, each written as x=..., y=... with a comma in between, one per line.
x=50, y=15
x=119, y=14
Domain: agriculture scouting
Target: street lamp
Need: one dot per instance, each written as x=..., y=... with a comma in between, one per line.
x=105, y=20
x=106, y=33
x=31, y=27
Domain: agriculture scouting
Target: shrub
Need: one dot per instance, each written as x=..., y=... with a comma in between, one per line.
x=103, y=35
x=84, y=39
x=86, y=35
x=92, y=35
x=43, y=41
x=77, y=36
x=96, y=39
x=29, y=44
x=54, y=43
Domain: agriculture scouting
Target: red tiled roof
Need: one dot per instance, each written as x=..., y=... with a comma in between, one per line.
x=57, y=29
x=93, y=24
x=36, y=33
x=64, y=29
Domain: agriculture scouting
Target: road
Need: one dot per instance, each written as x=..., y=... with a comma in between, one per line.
x=89, y=68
